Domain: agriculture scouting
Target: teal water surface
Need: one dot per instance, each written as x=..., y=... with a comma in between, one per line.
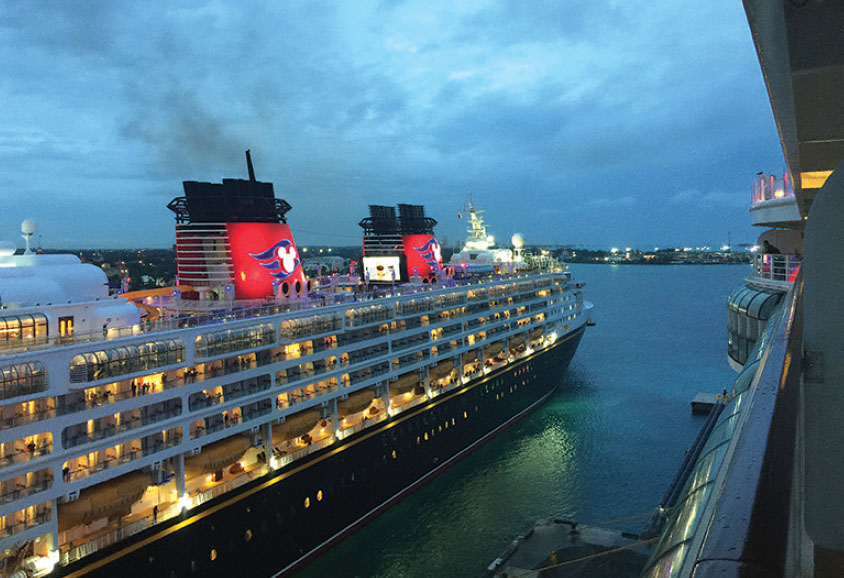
x=604, y=446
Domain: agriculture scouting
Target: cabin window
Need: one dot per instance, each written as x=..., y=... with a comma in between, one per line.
x=65, y=326
x=22, y=379
x=96, y=365
x=23, y=327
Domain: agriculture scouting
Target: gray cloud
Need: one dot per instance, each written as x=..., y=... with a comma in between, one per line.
x=569, y=123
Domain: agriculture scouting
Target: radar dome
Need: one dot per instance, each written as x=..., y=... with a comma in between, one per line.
x=518, y=241
x=29, y=227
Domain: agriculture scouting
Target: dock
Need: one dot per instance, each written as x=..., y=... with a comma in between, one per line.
x=560, y=548
x=703, y=403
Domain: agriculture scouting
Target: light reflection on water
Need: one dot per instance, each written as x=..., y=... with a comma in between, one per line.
x=606, y=445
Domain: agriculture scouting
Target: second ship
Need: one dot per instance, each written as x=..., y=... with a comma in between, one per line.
x=250, y=417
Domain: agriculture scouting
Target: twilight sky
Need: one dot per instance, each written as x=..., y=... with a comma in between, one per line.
x=604, y=123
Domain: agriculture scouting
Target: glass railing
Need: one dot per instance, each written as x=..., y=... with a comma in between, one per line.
x=110, y=461
x=777, y=266
x=27, y=418
x=767, y=187
x=129, y=423
x=229, y=312
x=24, y=455
x=23, y=492
x=26, y=524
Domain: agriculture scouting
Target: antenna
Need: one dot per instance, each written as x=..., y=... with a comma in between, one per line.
x=28, y=229
x=249, y=165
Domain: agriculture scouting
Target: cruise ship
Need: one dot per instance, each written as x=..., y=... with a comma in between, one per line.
x=249, y=417
x=763, y=495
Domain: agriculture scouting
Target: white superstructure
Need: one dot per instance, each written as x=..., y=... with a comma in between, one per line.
x=479, y=255
x=110, y=425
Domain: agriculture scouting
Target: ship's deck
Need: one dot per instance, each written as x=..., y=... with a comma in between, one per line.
x=178, y=313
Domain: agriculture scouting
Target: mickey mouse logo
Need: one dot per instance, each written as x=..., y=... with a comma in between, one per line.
x=430, y=252
x=282, y=259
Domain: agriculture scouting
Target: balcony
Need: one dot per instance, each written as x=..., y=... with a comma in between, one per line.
x=767, y=187
x=777, y=271
x=71, y=439
x=773, y=201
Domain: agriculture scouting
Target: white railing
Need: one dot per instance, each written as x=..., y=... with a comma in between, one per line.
x=776, y=266
x=407, y=405
x=362, y=425
x=314, y=446
x=232, y=312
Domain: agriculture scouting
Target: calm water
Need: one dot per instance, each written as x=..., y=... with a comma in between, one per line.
x=606, y=445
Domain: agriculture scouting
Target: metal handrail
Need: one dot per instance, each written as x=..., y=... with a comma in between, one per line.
x=229, y=312
x=777, y=266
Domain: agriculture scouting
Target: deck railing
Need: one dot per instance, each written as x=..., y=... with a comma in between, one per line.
x=227, y=311
x=362, y=425
x=777, y=266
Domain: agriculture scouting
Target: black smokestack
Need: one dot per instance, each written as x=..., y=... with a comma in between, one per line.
x=249, y=166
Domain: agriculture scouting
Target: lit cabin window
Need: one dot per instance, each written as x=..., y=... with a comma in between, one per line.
x=307, y=503
x=229, y=340
x=96, y=365
x=22, y=379
x=319, y=495
x=65, y=326
x=23, y=327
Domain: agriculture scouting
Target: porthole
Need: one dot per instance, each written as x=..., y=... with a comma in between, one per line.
x=418, y=440
x=213, y=554
x=248, y=535
x=394, y=454
x=426, y=436
x=307, y=503
x=452, y=421
x=465, y=415
x=319, y=495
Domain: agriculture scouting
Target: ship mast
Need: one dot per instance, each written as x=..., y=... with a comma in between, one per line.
x=478, y=239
